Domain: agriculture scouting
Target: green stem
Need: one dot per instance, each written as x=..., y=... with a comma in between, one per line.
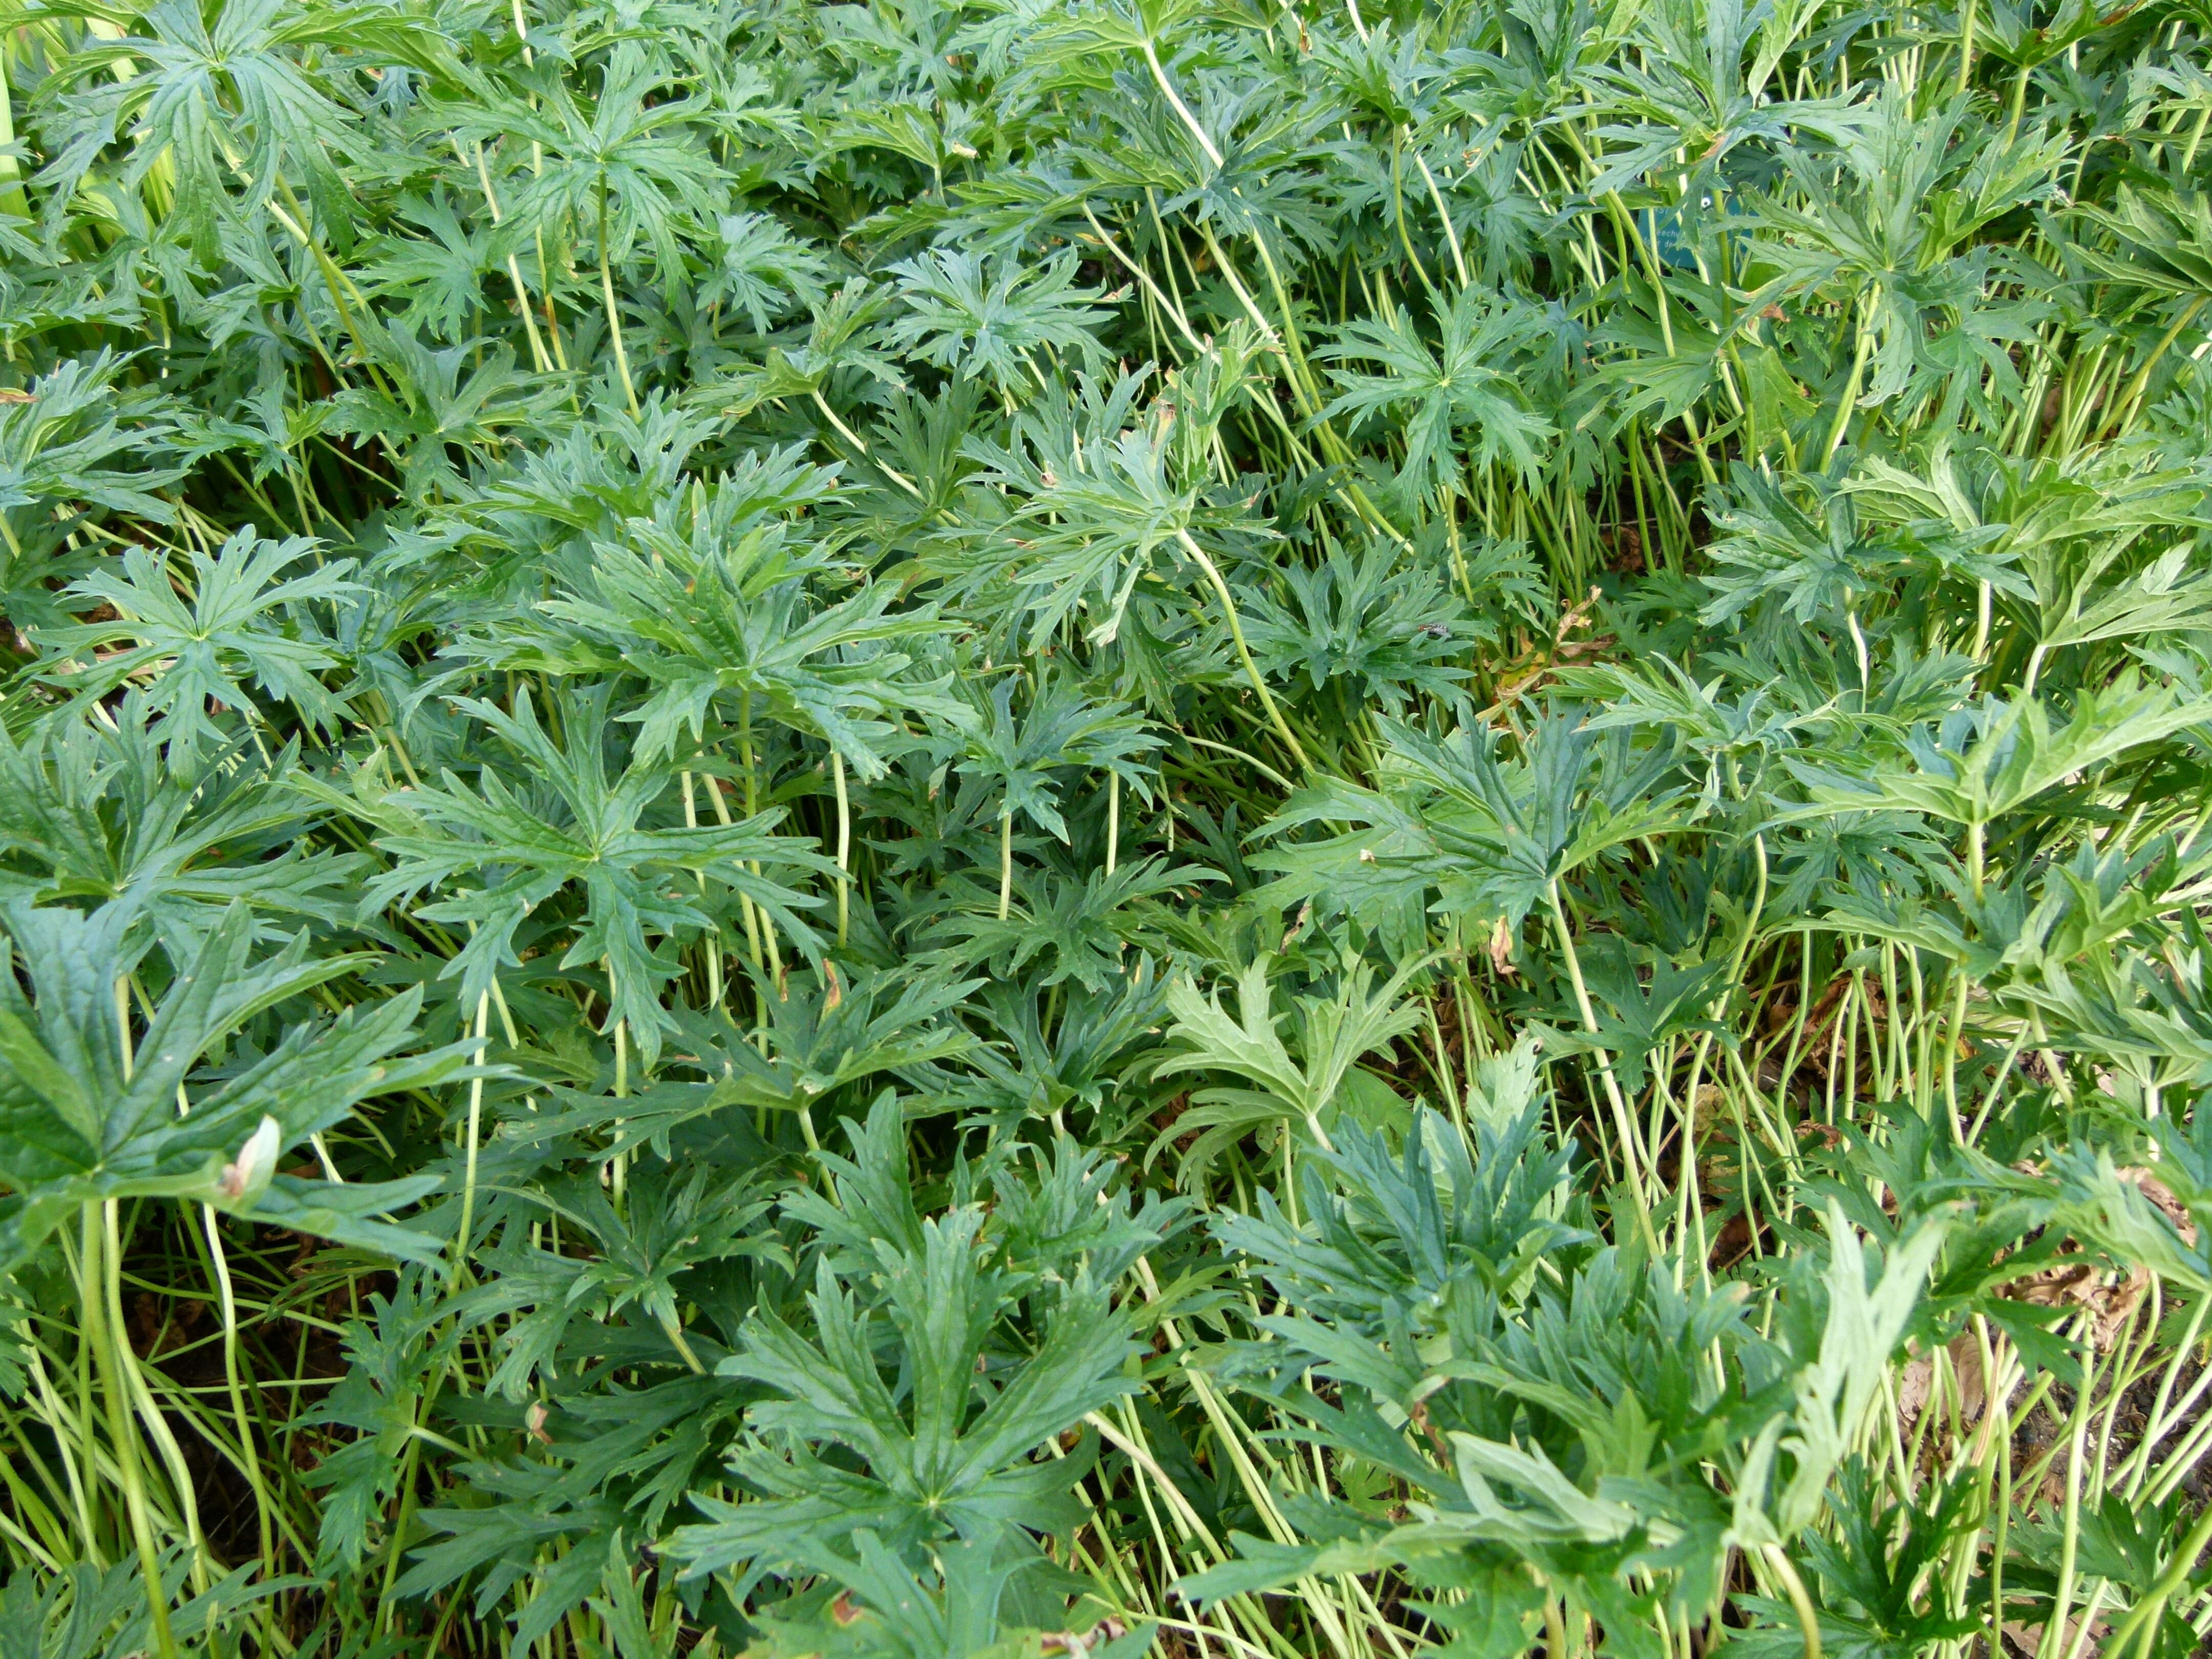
x=461, y=1238
x=1113, y=818
x=858, y=443
x=1859, y=350
x=1398, y=207
x=844, y=840
x=2062, y=1602
x=1160, y=77
x=247, y=1458
x=538, y=360
x=1808, y=1620
x=397, y=1544
x=12, y=199
x=1451, y=234
x=1589, y=1012
x=1243, y=651
x=674, y=1330
x=614, y=315
x=2125, y=410
x=2153, y=1601
x=101, y=1296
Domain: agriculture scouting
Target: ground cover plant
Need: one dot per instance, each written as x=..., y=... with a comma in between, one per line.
x=1104, y=827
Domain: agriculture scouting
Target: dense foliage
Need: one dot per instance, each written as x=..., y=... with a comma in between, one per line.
x=1105, y=826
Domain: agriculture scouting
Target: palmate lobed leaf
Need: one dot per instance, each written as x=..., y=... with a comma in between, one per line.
x=1988, y=761
x=735, y=627
x=937, y=1461
x=240, y=624
x=598, y=842
x=87, y=1119
x=945, y=1439
x=90, y=812
x=1724, y=478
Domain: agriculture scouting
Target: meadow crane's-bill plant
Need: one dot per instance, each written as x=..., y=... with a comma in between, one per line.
x=1222, y=829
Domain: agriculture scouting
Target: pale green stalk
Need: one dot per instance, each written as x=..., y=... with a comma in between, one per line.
x=100, y=1308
